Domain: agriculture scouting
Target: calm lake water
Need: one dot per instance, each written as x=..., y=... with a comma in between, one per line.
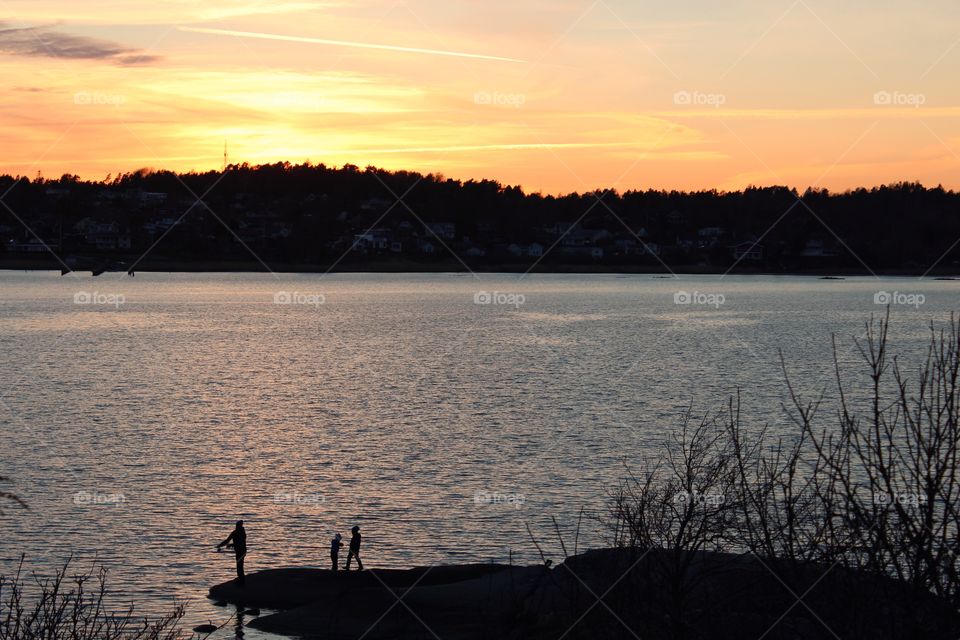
x=142, y=416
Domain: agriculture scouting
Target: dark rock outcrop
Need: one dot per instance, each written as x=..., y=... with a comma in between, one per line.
x=618, y=593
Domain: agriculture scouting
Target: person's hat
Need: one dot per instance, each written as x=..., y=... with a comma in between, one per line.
x=338, y=536
x=355, y=529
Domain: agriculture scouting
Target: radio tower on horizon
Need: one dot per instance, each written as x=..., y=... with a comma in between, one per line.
x=224, y=156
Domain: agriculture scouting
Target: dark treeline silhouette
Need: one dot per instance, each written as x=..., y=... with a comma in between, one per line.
x=310, y=214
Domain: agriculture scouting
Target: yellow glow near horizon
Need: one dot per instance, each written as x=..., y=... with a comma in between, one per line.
x=554, y=96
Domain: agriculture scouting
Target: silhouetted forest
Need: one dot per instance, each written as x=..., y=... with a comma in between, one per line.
x=308, y=214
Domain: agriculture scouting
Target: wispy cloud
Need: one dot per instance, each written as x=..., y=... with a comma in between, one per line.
x=211, y=11
x=346, y=43
x=164, y=12
x=41, y=41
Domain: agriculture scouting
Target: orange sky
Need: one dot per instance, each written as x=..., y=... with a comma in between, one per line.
x=554, y=95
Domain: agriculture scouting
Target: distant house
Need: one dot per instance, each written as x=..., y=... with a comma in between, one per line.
x=533, y=250
x=576, y=238
x=584, y=237
x=709, y=237
x=446, y=230
x=601, y=235
x=676, y=218
x=382, y=238
x=711, y=232
x=280, y=230
x=583, y=252
x=426, y=247
x=152, y=197
x=650, y=248
x=475, y=252
x=57, y=192
x=84, y=225
x=557, y=228
x=817, y=249
x=160, y=225
x=375, y=204
x=341, y=242
x=259, y=214
x=108, y=195
x=374, y=239
x=747, y=250
x=629, y=246
x=33, y=245
x=105, y=236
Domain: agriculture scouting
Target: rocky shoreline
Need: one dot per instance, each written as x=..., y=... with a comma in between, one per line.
x=614, y=593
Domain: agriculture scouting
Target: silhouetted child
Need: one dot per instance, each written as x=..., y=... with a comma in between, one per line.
x=354, y=549
x=335, y=545
x=238, y=538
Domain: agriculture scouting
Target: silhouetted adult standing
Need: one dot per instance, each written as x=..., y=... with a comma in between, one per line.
x=335, y=545
x=237, y=537
x=354, y=548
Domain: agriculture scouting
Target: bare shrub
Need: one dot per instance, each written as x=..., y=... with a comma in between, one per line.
x=874, y=491
x=74, y=607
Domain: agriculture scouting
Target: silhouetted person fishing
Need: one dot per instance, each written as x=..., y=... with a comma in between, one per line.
x=238, y=540
x=354, y=548
x=335, y=545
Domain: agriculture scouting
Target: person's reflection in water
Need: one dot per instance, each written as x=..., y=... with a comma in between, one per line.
x=238, y=628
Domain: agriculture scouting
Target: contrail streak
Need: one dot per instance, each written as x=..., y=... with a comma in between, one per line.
x=346, y=43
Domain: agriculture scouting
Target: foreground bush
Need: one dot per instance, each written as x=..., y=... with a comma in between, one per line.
x=73, y=607
x=870, y=490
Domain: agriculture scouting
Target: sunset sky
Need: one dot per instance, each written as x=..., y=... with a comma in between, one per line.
x=553, y=95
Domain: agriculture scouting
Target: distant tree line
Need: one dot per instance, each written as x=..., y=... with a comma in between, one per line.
x=314, y=214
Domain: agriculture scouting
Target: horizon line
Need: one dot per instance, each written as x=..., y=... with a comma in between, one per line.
x=505, y=185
